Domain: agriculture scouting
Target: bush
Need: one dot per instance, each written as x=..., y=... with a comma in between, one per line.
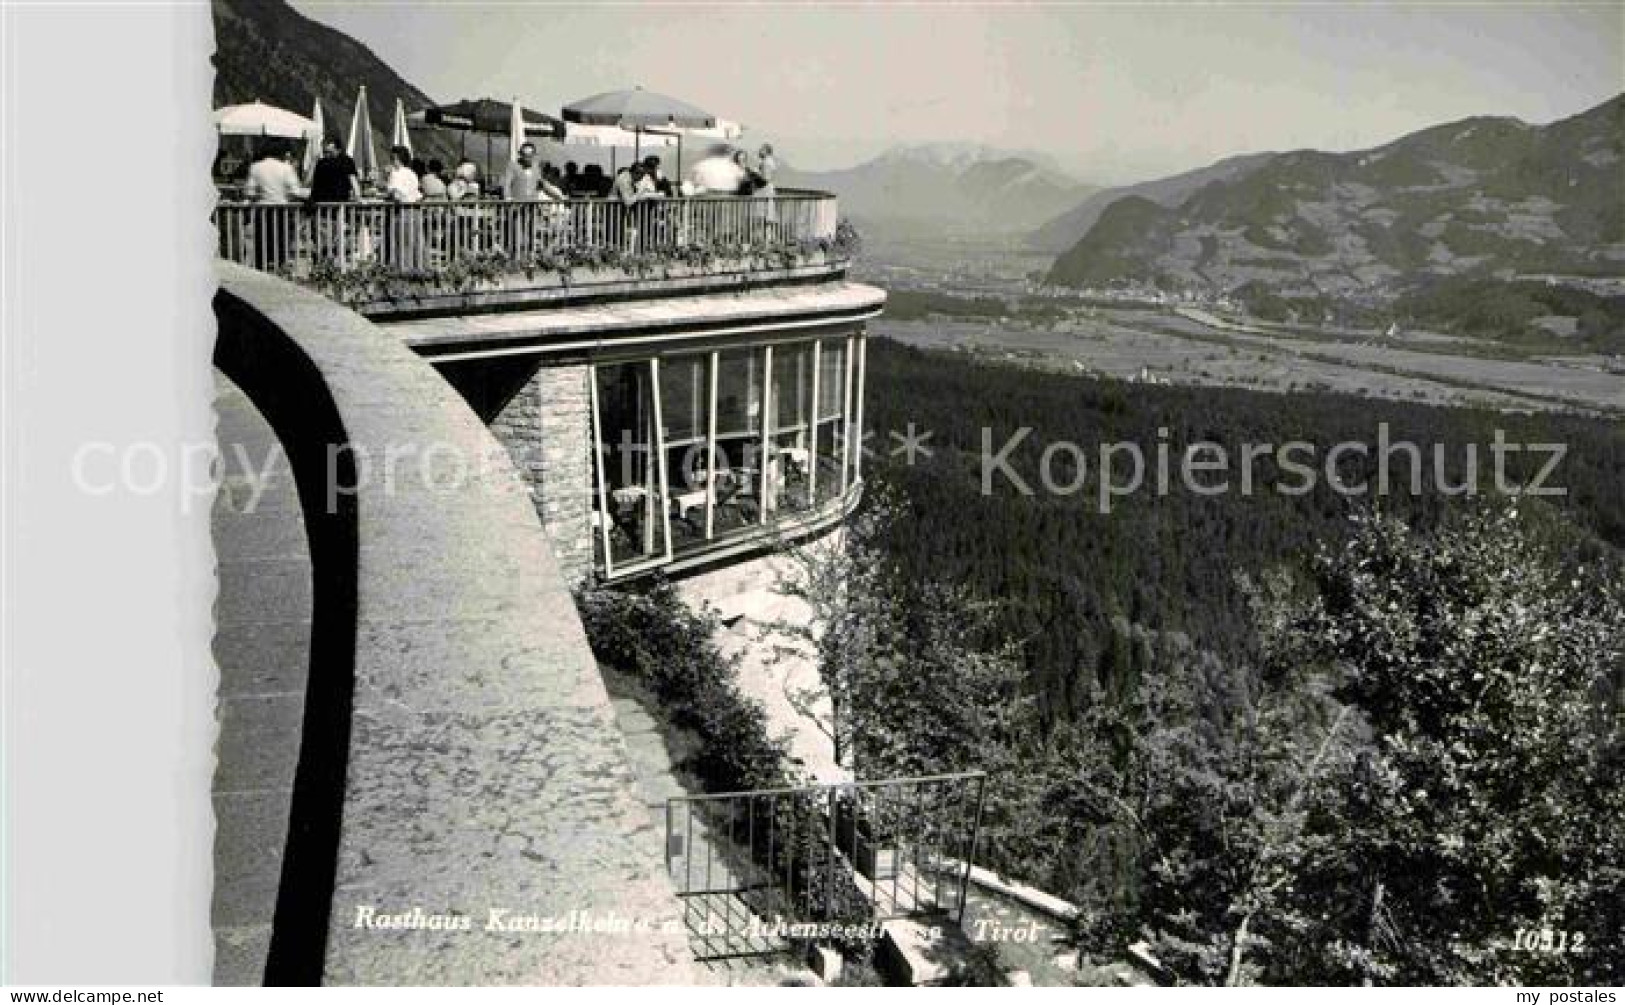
x=651, y=635
x=648, y=633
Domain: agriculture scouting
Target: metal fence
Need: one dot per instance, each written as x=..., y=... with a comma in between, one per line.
x=425, y=235
x=758, y=871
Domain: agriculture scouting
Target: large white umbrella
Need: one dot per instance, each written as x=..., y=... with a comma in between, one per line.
x=399, y=136
x=636, y=108
x=313, y=148
x=360, y=147
x=258, y=119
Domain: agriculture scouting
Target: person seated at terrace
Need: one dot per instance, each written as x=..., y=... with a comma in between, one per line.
x=628, y=192
x=433, y=181
x=593, y=181
x=571, y=182
x=465, y=182
x=654, y=177
x=629, y=186
x=401, y=184
x=550, y=187
x=645, y=180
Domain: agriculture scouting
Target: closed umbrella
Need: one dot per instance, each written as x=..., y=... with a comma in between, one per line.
x=398, y=135
x=313, y=147
x=258, y=119
x=516, y=132
x=360, y=147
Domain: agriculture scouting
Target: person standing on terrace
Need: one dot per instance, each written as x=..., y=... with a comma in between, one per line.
x=523, y=177
x=334, y=178
x=717, y=173
x=272, y=181
x=766, y=167
x=628, y=192
x=747, y=177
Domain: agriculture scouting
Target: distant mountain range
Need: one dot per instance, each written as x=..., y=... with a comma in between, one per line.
x=953, y=186
x=1068, y=229
x=268, y=51
x=1478, y=197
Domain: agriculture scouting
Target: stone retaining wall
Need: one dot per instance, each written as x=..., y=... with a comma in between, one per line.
x=463, y=720
x=547, y=428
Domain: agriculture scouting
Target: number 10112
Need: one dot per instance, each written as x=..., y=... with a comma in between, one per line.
x=1545, y=940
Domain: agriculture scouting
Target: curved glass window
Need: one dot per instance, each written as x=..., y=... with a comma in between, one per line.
x=738, y=441
x=702, y=451
x=630, y=512
x=788, y=462
x=685, y=400
x=828, y=473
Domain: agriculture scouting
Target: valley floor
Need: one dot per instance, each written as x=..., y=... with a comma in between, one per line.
x=1164, y=348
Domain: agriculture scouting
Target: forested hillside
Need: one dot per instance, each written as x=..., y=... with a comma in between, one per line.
x=267, y=51
x=1068, y=229
x=1165, y=565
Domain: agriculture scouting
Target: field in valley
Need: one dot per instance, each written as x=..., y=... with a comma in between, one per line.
x=1162, y=346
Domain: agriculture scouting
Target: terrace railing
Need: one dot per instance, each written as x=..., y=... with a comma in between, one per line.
x=758, y=871
x=425, y=236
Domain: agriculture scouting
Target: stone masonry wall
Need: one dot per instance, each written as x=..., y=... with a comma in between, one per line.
x=547, y=427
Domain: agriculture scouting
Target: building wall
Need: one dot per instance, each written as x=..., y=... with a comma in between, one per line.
x=547, y=427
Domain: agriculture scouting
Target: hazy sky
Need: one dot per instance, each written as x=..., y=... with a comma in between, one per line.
x=1115, y=92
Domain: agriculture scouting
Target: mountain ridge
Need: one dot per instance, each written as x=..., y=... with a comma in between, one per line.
x=1481, y=196
x=951, y=185
x=1061, y=232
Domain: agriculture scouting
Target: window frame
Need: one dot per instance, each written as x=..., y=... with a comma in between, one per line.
x=759, y=362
